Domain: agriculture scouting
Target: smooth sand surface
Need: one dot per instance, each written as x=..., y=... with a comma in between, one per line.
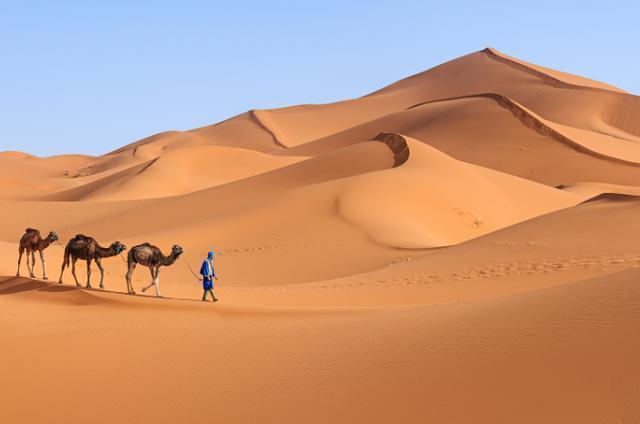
x=460, y=246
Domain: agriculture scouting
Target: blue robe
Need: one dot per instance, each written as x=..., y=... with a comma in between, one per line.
x=208, y=274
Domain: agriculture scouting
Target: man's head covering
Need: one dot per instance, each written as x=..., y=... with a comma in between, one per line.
x=210, y=255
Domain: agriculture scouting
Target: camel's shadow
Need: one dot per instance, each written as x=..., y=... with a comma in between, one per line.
x=13, y=285
x=17, y=285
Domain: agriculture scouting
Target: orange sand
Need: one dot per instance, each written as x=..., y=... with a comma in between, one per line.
x=459, y=246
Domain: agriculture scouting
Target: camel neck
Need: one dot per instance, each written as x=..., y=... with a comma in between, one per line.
x=168, y=260
x=44, y=243
x=105, y=252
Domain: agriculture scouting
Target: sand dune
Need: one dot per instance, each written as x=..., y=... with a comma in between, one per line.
x=244, y=131
x=466, y=236
x=604, y=109
x=592, y=116
x=191, y=169
x=433, y=200
x=23, y=176
x=494, y=132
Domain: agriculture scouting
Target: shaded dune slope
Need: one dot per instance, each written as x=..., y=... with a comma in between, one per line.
x=550, y=76
x=599, y=145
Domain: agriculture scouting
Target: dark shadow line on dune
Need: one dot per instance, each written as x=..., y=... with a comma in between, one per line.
x=614, y=197
x=533, y=123
x=547, y=78
x=28, y=285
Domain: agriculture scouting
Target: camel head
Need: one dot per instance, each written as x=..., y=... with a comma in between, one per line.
x=118, y=247
x=52, y=237
x=176, y=251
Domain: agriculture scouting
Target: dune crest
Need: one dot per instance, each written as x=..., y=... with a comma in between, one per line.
x=598, y=145
x=557, y=78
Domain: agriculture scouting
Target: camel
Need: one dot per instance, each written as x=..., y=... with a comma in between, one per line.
x=151, y=257
x=31, y=241
x=87, y=248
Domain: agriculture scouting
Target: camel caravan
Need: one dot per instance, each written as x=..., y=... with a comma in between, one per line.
x=88, y=249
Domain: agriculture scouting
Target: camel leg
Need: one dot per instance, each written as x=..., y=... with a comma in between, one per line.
x=28, y=261
x=89, y=273
x=20, y=253
x=153, y=279
x=64, y=264
x=44, y=266
x=73, y=270
x=32, y=272
x=156, y=282
x=101, y=268
x=132, y=266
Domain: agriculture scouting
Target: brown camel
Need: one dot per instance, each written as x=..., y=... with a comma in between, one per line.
x=87, y=248
x=31, y=241
x=151, y=257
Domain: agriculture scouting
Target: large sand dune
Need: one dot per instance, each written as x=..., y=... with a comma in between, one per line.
x=459, y=246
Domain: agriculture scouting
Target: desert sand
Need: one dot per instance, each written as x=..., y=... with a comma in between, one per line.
x=459, y=246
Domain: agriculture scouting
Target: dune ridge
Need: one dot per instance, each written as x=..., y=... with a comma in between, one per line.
x=260, y=117
x=549, y=78
x=531, y=120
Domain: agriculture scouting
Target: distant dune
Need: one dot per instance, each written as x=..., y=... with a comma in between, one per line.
x=459, y=246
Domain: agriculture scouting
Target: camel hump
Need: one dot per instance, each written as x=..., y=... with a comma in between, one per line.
x=81, y=237
x=30, y=230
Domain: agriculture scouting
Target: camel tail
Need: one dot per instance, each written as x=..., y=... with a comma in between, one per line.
x=67, y=254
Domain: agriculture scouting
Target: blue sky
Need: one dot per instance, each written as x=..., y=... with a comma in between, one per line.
x=88, y=77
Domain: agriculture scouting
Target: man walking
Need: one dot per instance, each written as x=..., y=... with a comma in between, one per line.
x=208, y=275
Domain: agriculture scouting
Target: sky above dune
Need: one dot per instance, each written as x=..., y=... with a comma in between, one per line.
x=89, y=77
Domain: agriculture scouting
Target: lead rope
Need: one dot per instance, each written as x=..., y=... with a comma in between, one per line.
x=191, y=270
